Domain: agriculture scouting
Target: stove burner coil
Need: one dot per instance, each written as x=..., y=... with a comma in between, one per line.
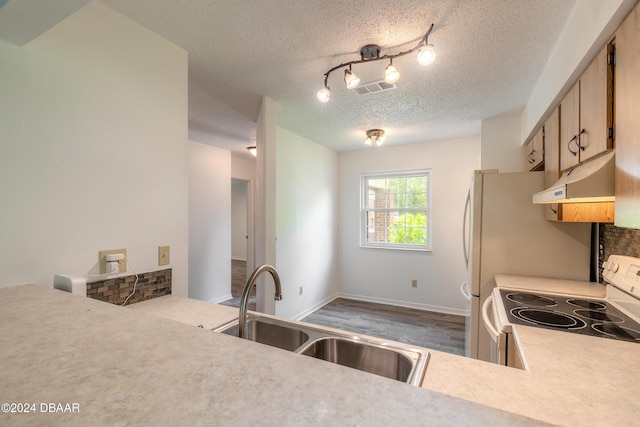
x=532, y=299
x=615, y=331
x=592, y=305
x=599, y=315
x=549, y=318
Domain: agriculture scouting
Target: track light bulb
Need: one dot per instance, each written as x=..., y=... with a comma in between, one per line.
x=368, y=140
x=324, y=94
x=426, y=55
x=350, y=79
x=391, y=74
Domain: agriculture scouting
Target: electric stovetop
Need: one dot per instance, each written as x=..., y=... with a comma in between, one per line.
x=594, y=317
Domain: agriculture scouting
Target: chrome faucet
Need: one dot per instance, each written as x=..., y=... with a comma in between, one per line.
x=242, y=318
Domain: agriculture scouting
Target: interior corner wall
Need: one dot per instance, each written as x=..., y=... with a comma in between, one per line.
x=265, y=199
x=385, y=275
x=93, y=130
x=209, y=222
x=501, y=147
x=306, y=223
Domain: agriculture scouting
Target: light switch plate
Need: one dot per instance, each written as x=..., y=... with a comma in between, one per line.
x=164, y=255
x=122, y=264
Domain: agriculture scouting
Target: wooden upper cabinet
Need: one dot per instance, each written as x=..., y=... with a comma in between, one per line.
x=587, y=113
x=627, y=130
x=596, y=106
x=552, y=159
x=534, y=152
x=570, y=127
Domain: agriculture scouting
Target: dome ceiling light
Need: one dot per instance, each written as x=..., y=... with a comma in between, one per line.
x=371, y=53
x=375, y=137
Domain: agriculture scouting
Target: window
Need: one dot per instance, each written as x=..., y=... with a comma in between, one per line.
x=395, y=210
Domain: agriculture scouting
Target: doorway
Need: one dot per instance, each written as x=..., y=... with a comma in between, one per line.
x=241, y=240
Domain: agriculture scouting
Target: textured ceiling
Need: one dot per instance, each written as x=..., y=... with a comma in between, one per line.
x=490, y=54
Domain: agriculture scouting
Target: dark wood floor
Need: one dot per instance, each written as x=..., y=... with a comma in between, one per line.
x=444, y=332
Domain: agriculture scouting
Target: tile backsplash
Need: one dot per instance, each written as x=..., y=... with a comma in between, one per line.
x=115, y=291
x=618, y=241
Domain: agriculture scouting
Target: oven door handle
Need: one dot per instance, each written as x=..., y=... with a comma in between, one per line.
x=496, y=336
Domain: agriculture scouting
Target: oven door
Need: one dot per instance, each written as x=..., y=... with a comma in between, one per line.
x=498, y=338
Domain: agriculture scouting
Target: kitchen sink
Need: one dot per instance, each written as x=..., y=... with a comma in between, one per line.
x=271, y=333
x=389, y=359
x=390, y=363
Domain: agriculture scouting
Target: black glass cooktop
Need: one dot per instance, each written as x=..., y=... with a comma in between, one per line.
x=579, y=315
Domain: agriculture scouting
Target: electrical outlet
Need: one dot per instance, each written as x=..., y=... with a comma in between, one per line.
x=414, y=283
x=300, y=290
x=164, y=255
x=102, y=258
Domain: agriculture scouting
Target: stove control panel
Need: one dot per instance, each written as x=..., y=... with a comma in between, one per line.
x=623, y=272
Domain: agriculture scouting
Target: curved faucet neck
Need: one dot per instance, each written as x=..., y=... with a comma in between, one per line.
x=244, y=300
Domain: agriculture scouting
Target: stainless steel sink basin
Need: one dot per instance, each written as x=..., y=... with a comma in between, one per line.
x=270, y=333
x=386, y=358
x=391, y=363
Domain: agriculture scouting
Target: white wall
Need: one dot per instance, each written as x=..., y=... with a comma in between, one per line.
x=306, y=223
x=265, y=199
x=385, y=275
x=93, y=133
x=239, y=219
x=501, y=148
x=243, y=169
x=209, y=222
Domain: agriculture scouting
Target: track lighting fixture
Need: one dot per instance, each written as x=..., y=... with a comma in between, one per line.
x=391, y=73
x=375, y=136
x=350, y=79
x=371, y=53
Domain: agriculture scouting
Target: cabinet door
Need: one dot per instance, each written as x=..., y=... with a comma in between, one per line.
x=528, y=153
x=534, y=151
x=570, y=128
x=552, y=159
x=627, y=103
x=596, y=106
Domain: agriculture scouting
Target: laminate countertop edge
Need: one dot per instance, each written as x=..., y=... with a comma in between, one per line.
x=123, y=367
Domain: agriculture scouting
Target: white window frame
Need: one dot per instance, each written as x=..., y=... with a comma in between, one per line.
x=364, y=209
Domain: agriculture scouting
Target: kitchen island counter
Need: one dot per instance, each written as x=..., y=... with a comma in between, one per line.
x=122, y=367
x=564, y=368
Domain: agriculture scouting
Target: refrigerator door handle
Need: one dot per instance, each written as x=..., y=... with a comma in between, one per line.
x=465, y=239
x=464, y=288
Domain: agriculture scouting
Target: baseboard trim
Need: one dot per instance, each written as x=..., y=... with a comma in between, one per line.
x=315, y=307
x=221, y=299
x=426, y=307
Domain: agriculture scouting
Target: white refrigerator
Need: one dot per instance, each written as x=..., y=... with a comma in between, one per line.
x=505, y=233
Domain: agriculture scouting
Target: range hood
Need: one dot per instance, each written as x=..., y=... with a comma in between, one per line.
x=592, y=181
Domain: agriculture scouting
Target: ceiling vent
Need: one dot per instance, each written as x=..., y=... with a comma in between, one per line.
x=375, y=87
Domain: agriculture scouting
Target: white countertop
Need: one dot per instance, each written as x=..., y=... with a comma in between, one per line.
x=572, y=380
x=566, y=370
x=125, y=367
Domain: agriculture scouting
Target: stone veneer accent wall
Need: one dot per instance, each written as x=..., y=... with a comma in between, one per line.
x=618, y=241
x=115, y=291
